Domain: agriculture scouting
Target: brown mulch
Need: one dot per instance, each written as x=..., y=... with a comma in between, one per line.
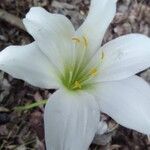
x=24, y=130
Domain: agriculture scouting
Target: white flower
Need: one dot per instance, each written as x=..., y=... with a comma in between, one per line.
x=89, y=79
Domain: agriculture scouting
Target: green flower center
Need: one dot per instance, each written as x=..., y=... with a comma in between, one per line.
x=79, y=75
x=77, y=78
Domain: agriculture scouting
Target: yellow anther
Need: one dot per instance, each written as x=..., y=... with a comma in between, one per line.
x=76, y=39
x=102, y=55
x=93, y=72
x=77, y=85
x=85, y=39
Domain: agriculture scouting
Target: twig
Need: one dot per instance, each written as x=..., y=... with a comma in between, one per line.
x=12, y=19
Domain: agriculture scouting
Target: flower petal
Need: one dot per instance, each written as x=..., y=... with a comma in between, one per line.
x=100, y=15
x=28, y=63
x=124, y=57
x=71, y=120
x=127, y=102
x=52, y=32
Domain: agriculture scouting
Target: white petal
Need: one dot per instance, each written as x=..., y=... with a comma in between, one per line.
x=127, y=102
x=100, y=16
x=71, y=121
x=28, y=63
x=52, y=32
x=124, y=57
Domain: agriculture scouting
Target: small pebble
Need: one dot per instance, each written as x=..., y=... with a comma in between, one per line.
x=4, y=118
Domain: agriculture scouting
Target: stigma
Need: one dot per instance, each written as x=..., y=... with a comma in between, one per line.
x=82, y=40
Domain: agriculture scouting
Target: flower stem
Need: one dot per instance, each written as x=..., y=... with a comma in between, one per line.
x=30, y=106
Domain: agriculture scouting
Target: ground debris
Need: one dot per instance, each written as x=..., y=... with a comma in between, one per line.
x=24, y=130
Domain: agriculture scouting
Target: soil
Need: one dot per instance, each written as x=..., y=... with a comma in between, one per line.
x=23, y=130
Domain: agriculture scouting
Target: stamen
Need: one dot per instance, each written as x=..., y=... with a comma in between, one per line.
x=102, y=55
x=93, y=72
x=76, y=39
x=70, y=76
x=77, y=85
x=85, y=41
